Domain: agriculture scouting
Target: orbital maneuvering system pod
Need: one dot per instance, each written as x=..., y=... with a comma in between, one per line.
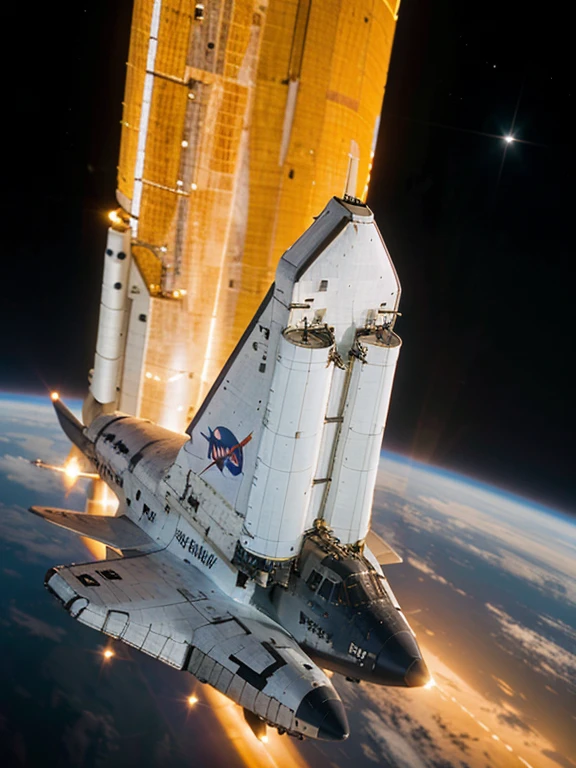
x=251, y=533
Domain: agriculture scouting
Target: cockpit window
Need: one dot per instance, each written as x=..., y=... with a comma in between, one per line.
x=336, y=596
x=314, y=580
x=330, y=591
x=362, y=588
x=325, y=590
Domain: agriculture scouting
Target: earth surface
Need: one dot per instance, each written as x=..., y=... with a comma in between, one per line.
x=488, y=583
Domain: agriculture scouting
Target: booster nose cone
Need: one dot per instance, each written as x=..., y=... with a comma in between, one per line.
x=417, y=674
x=322, y=709
x=400, y=662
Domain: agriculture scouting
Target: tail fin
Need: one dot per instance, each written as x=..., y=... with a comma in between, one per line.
x=72, y=428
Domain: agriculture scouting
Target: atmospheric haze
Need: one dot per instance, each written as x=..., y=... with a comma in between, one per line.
x=488, y=582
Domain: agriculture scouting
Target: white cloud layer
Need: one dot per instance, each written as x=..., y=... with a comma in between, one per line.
x=539, y=653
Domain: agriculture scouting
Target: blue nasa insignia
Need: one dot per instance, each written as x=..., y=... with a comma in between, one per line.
x=225, y=450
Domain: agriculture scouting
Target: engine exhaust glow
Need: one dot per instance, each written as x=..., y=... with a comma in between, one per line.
x=72, y=469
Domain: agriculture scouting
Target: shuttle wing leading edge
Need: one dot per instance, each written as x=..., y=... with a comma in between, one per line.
x=116, y=532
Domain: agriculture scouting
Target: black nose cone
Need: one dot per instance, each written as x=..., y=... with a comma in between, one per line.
x=400, y=662
x=417, y=674
x=322, y=709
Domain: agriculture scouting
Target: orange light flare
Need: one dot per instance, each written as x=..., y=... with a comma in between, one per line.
x=96, y=548
x=54, y=396
x=328, y=672
x=101, y=501
x=108, y=654
x=72, y=469
x=72, y=472
x=114, y=218
x=271, y=751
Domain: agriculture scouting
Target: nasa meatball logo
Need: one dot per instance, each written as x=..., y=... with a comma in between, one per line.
x=225, y=450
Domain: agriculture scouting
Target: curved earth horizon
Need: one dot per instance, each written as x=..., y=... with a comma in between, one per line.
x=488, y=582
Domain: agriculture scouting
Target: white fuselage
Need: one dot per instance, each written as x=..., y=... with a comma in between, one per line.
x=135, y=458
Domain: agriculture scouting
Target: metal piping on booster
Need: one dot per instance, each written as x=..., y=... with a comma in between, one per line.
x=355, y=460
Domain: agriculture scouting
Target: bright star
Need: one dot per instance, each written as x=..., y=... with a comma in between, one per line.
x=508, y=139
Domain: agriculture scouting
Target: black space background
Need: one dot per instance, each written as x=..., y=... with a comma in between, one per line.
x=486, y=378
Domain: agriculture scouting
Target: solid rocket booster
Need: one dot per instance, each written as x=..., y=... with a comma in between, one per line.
x=289, y=445
x=349, y=502
x=112, y=318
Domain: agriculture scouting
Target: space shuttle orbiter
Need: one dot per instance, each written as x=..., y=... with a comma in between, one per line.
x=246, y=552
